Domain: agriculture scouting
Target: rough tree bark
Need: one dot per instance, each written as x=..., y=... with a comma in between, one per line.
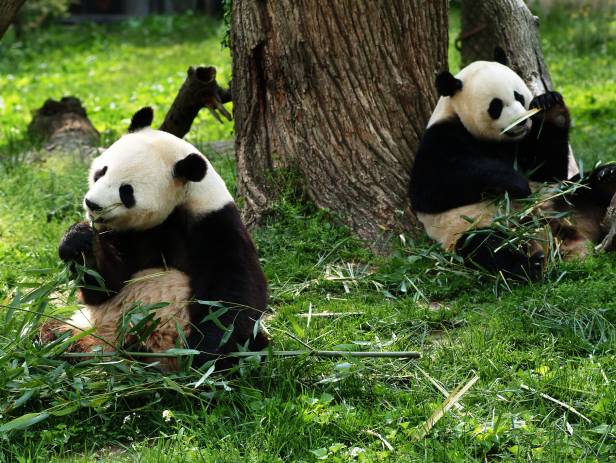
x=8, y=10
x=510, y=25
x=339, y=91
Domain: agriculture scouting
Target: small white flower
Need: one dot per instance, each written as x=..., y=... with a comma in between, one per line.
x=128, y=418
x=167, y=415
x=355, y=451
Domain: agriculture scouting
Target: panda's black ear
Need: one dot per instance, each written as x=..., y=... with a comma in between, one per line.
x=142, y=118
x=447, y=84
x=500, y=56
x=190, y=169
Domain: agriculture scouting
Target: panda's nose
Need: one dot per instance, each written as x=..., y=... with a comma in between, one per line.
x=92, y=205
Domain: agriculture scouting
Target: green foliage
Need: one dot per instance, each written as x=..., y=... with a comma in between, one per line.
x=114, y=69
x=227, y=6
x=35, y=13
x=556, y=337
x=591, y=28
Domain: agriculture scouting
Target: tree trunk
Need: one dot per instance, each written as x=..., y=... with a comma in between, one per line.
x=510, y=25
x=8, y=10
x=340, y=92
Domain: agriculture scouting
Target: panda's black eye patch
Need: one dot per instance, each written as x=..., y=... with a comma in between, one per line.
x=127, y=196
x=99, y=173
x=518, y=97
x=496, y=108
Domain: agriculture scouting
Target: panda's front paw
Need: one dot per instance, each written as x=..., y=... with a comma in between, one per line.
x=603, y=181
x=76, y=242
x=49, y=332
x=547, y=101
x=605, y=174
x=553, y=109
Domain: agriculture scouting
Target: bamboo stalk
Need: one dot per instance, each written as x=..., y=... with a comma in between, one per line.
x=449, y=402
x=278, y=353
x=556, y=401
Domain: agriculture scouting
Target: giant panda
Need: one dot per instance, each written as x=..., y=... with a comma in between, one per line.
x=163, y=228
x=465, y=164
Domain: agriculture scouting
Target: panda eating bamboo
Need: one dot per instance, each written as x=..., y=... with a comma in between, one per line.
x=468, y=160
x=163, y=232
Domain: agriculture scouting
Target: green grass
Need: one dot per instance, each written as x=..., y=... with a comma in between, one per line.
x=114, y=70
x=557, y=337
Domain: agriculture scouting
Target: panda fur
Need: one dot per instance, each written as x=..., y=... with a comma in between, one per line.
x=465, y=163
x=164, y=228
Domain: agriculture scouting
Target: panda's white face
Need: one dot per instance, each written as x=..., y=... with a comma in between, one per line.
x=134, y=184
x=491, y=98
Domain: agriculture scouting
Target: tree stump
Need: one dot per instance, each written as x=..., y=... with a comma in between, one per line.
x=340, y=92
x=199, y=90
x=63, y=126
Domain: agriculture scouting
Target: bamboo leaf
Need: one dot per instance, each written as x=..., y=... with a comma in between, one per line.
x=67, y=409
x=205, y=376
x=24, y=421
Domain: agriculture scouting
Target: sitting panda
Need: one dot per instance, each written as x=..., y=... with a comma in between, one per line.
x=164, y=227
x=465, y=163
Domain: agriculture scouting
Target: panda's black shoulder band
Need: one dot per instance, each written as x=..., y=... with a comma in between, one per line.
x=447, y=84
x=141, y=119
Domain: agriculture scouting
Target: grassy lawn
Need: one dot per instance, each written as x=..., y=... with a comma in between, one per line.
x=545, y=354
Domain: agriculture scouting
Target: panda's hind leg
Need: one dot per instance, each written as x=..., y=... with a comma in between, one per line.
x=54, y=329
x=488, y=249
x=591, y=215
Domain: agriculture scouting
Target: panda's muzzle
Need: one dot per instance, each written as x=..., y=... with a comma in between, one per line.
x=518, y=131
x=92, y=206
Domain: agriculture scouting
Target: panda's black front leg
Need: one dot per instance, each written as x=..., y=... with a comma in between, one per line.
x=488, y=250
x=76, y=244
x=546, y=147
x=84, y=246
